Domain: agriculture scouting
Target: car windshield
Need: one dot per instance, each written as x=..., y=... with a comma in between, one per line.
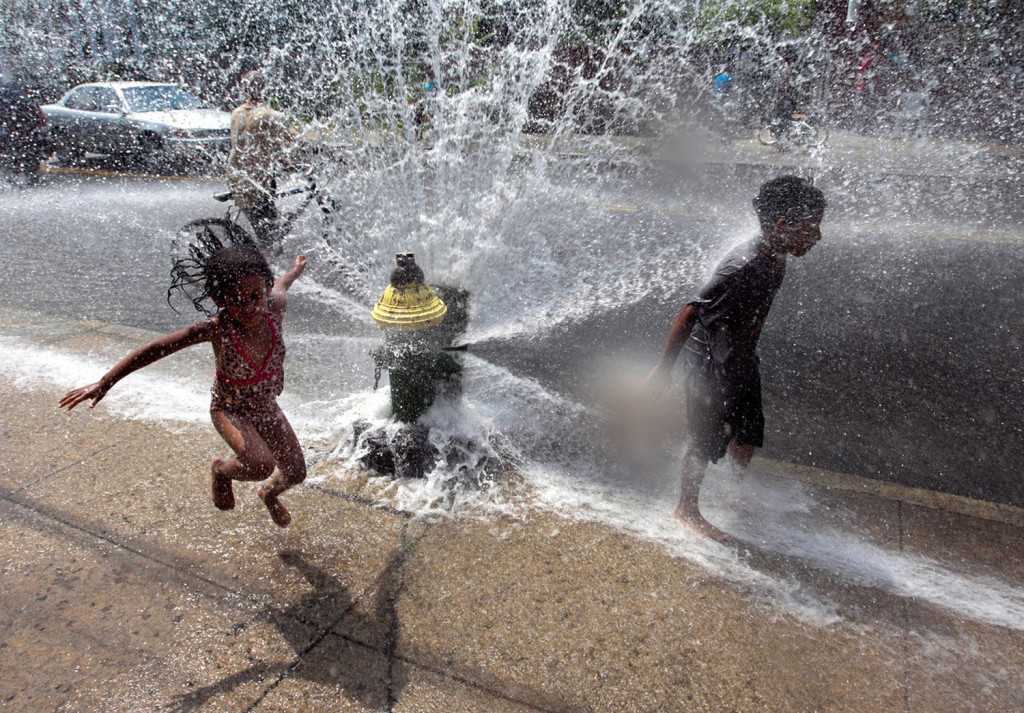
x=161, y=98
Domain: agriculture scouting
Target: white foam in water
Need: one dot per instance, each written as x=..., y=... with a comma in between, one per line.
x=144, y=396
x=649, y=517
x=442, y=491
x=768, y=516
x=474, y=492
x=786, y=519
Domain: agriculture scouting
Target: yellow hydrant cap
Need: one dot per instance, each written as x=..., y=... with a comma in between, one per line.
x=413, y=306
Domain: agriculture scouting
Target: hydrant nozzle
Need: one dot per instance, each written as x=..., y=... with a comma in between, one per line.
x=408, y=303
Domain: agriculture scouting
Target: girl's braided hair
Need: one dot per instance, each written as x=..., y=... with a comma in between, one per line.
x=217, y=257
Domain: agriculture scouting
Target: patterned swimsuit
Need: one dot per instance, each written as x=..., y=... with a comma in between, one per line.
x=248, y=384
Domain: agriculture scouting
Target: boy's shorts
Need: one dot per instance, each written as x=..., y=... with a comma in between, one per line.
x=721, y=408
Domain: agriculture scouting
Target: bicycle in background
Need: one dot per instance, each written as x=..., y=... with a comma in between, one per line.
x=795, y=129
x=341, y=251
x=229, y=230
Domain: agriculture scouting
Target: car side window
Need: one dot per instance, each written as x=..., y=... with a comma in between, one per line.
x=106, y=100
x=81, y=99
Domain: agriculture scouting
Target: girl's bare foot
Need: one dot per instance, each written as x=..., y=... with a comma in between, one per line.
x=223, y=495
x=278, y=512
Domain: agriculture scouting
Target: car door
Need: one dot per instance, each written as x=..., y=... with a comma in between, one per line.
x=108, y=122
x=79, y=106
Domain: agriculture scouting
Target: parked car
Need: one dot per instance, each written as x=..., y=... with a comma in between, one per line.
x=23, y=136
x=146, y=121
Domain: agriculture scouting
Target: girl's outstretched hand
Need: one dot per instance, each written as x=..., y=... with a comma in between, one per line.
x=76, y=396
x=285, y=281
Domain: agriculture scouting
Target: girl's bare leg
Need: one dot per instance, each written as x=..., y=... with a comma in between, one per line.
x=253, y=459
x=291, y=463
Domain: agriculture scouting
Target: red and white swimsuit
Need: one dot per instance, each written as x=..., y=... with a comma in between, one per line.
x=248, y=384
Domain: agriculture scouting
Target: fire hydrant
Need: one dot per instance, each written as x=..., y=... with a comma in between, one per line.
x=418, y=327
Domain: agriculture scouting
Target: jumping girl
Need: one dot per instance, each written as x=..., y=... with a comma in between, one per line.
x=246, y=336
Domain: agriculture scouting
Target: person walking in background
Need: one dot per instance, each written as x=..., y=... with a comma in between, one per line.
x=261, y=139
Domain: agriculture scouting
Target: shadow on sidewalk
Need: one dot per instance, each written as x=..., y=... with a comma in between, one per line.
x=314, y=627
x=350, y=666
x=374, y=678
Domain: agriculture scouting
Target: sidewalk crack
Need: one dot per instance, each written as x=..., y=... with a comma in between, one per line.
x=396, y=583
x=46, y=476
x=299, y=656
x=905, y=612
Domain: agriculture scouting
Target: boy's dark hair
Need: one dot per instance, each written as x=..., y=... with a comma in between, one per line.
x=789, y=197
x=215, y=264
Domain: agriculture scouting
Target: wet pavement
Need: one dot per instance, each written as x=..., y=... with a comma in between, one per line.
x=126, y=590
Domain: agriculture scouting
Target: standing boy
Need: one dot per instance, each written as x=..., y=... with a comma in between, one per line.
x=718, y=331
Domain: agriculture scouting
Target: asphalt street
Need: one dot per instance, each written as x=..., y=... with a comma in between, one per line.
x=893, y=349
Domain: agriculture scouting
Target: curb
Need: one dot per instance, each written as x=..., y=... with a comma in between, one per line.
x=111, y=173
x=932, y=499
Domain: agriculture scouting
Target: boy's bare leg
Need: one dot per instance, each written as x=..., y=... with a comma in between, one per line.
x=253, y=460
x=687, y=511
x=287, y=452
x=741, y=453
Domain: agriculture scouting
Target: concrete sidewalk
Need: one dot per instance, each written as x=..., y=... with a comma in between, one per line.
x=125, y=590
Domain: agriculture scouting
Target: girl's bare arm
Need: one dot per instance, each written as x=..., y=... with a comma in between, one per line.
x=137, y=359
x=279, y=293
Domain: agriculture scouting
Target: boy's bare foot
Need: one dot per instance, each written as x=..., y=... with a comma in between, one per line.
x=690, y=518
x=278, y=512
x=223, y=494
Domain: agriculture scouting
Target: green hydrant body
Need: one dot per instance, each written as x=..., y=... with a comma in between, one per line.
x=418, y=381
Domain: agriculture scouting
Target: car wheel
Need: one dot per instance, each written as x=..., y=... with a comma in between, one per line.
x=29, y=168
x=18, y=174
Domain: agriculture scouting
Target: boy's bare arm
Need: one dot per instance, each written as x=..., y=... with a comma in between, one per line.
x=677, y=336
x=137, y=359
x=279, y=292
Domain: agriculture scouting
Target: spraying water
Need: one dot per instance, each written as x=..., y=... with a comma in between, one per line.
x=446, y=129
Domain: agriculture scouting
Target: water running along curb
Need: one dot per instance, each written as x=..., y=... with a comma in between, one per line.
x=11, y=319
